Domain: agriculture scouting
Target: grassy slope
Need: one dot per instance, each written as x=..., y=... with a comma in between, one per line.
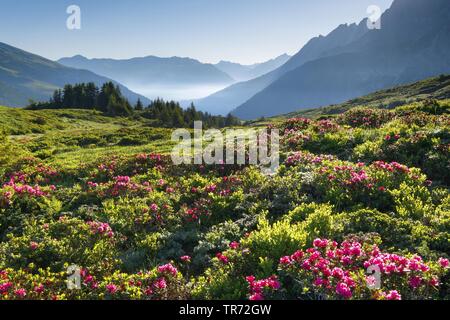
x=76, y=136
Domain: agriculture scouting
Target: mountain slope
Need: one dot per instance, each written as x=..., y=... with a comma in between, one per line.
x=152, y=70
x=230, y=98
x=432, y=88
x=241, y=72
x=379, y=59
x=25, y=76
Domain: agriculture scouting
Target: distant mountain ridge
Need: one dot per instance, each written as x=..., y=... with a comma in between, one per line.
x=412, y=44
x=152, y=70
x=241, y=72
x=175, y=76
x=25, y=76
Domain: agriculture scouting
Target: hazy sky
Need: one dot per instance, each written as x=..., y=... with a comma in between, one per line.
x=244, y=31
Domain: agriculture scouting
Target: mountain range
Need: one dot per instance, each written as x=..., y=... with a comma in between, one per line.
x=25, y=76
x=175, y=77
x=233, y=96
x=351, y=61
x=412, y=44
x=152, y=70
x=241, y=72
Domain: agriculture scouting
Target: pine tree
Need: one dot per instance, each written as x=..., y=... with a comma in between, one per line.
x=139, y=106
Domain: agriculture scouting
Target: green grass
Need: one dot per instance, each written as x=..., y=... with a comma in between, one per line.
x=73, y=137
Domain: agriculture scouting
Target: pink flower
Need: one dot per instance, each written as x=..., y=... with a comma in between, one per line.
x=257, y=287
x=161, y=283
x=185, y=258
x=393, y=295
x=250, y=279
x=298, y=255
x=256, y=297
x=444, y=263
x=20, y=293
x=319, y=243
x=343, y=290
x=112, y=288
x=318, y=282
x=337, y=273
x=101, y=228
x=5, y=287
x=168, y=269
x=34, y=245
x=39, y=289
x=285, y=260
x=154, y=207
x=170, y=190
x=415, y=282
x=222, y=258
x=234, y=245
x=434, y=282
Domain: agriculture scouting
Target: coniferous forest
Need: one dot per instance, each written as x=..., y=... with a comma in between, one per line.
x=109, y=100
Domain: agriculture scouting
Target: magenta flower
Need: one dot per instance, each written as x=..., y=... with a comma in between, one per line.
x=185, y=258
x=21, y=293
x=222, y=258
x=112, y=288
x=444, y=263
x=234, y=245
x=393, y=295
x=168, y=269
x=34, y=245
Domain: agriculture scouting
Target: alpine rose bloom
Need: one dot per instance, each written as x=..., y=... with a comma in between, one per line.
x=222, y=258
x=185, y=258
x=340, y=271
x=261, y=287
x=234, y=245
x=21, y=293
x=112, y=288
x=393, y=295
x=34, y=245
x=168, y=269
x=444, y=263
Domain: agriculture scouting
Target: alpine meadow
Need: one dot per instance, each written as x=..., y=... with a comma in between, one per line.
x=94, y=207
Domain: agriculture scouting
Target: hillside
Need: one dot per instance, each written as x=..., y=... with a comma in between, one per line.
x=25, y=76
x=432, y=88
x=103, y=193
x=396, y=55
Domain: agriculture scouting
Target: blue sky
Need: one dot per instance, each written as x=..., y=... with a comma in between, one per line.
x=244, y=31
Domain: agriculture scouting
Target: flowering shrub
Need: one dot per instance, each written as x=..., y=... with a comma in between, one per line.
x=375, y=181
x=362, y=117
x=164, y=282
x=259, y=289
x=334, y=271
